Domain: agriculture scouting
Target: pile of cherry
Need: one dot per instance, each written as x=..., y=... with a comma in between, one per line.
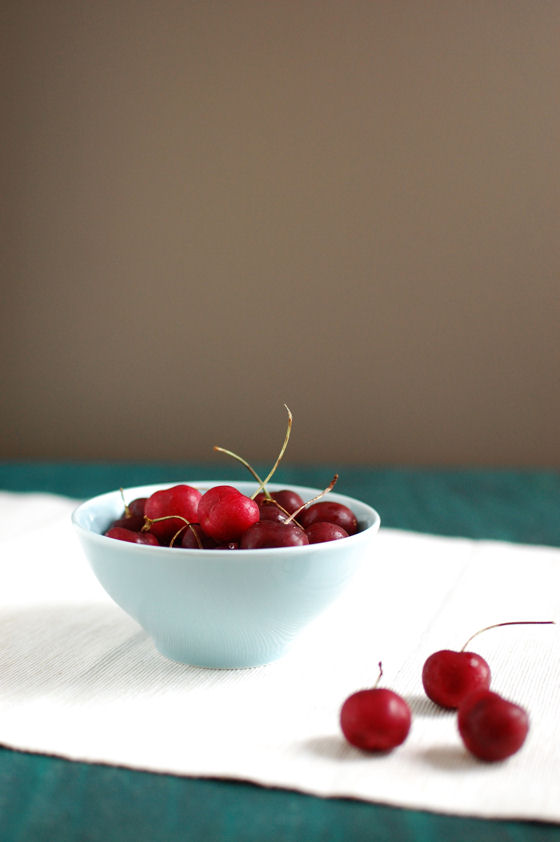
x=491, y=727
x=224, y=518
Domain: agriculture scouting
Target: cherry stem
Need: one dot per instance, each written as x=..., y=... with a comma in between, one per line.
x=329, y=487
x=380, y=665
x=262, y=483
x=284, y=446
x=511, y=623
x=249, y=467
x=149, y=520
x=126, y=509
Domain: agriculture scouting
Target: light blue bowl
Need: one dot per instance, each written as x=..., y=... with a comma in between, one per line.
x=222, y=608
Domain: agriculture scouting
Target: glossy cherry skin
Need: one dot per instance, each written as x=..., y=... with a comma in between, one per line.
x=376, y=719
x=134, y=520
x=122, y=534
x=224, y=513
x=181, y=500
x=320, y=531
x=271, y=533
x=449, y=677
x=491, y=727
x=327, y=510
x=270, y=511
x=289, y=500
x=193, y=538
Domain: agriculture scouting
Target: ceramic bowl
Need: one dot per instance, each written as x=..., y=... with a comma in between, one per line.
x=222, y=608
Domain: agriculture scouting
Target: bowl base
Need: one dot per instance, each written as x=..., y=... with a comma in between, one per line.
x=181, y=656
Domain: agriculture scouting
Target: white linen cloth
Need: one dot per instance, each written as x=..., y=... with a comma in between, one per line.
x=80, y=679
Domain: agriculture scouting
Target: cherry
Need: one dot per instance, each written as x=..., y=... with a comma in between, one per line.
x=491, y=727
x=193, y=538
x=133, y=515
x=122, y=534
x=320, y=531
x=375, y=719
x=449, y=677
x=180, y=501
x=269, y=510
x=271, y=533
x=132, y=522
x=287, y=499
x=224, y=513
x=331, y=512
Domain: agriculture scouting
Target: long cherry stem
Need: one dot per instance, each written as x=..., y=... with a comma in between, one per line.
x=378, y=679
x=284, y=446
x=262, y=483
x=329, y=487
x=126, y=509
x=511, y=623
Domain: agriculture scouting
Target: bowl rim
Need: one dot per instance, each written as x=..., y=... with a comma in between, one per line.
x=177, y=552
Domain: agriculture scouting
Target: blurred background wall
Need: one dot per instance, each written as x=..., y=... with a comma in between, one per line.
x=212, y=208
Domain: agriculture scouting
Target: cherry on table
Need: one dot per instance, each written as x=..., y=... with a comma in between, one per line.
x=449, y=677
x=375, y=719
x=491, y=727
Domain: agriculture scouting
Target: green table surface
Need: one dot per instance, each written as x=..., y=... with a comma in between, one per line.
x=46, y=798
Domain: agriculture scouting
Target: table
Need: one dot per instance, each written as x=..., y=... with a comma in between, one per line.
x=47, y=798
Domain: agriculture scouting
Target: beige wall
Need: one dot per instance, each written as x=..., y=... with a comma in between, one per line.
x=213, y=208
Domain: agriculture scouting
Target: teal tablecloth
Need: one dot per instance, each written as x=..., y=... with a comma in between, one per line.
x=45, y=798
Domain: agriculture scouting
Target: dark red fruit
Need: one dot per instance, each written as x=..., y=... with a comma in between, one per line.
x=133, y=515
x=289, y=500
x=271, y=533
x=491, y=727
x=224, y=513
x=137, y=506
x=376, y=719
x=122, y=534
x=132, y=522
x=193, y=538
x=449, y=677
x=330, y=512
x=270, y=511
x=320, y=531
x=181, y=501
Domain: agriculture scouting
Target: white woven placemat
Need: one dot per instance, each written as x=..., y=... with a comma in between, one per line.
x=80, y=679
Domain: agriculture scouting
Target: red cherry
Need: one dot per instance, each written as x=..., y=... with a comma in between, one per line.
x=123, y=534
x=176, y=505
x=271, y=533
x=224, y=513
x=289, y=500
x=193, y=538
x=376, y=719
x=491, y=727
x=270, y=511
x=132, y=522
x=319, y=532
x=331, y=512
x=133, y=515
x=448, y=676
